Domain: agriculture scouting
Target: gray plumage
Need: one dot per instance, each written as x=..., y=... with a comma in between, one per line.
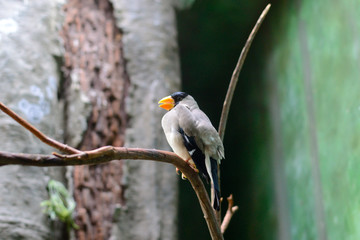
x=187, y=115
x=188, y=129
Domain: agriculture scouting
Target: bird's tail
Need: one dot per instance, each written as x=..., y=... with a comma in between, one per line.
x=214, y=174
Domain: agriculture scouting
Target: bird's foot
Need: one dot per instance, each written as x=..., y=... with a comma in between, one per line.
x=182, y=175
x=192, y=165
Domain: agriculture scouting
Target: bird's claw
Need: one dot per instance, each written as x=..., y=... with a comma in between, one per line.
x=192, y=165
x=182, y=175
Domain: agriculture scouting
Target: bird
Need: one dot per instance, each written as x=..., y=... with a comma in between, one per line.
x=192, y=137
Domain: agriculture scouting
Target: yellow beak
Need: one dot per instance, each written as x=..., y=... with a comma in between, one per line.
x=167, y=103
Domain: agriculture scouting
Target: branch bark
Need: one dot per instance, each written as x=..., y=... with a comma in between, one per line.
x=232, y=86
x=235, y=75
x=109, y=153
x=229, y=213
x=45, y=139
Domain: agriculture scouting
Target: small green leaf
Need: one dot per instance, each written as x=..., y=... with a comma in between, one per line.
x=60, y=205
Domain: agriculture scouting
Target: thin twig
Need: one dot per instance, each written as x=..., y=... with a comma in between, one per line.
x=229, y=213
x=235, y=75
x=232, y=85
x=49, y=141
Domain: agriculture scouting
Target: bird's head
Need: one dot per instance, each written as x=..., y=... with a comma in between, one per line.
x=171, y=101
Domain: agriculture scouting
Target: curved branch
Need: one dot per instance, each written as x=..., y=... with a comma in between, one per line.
x=235, y=75
x=49, y=141
x=109, y=153
x=233, y=83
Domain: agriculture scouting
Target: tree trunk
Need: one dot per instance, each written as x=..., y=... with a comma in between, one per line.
x=29, y=78
x=106, y=102
x=151, y=53
x=94, y=62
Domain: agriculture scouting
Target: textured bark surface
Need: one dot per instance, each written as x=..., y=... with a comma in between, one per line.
x=93, y=84
x=151, y=53
x=29, y=79
x=94, y=64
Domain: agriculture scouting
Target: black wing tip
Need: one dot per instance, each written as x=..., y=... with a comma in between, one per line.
x=199, y=160
x=195, y=153
x=216, y=204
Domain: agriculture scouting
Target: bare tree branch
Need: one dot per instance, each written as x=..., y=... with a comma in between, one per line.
x=229, y=213
x=232, y=86
x=49, y=141
x=109, y=153
x=235, y=75
x=106, y=154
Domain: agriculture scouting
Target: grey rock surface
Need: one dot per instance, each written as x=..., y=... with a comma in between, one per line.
x=29, y=82
x=151, y=52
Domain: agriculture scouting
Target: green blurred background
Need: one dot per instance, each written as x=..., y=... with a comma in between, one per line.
x=293, y=135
